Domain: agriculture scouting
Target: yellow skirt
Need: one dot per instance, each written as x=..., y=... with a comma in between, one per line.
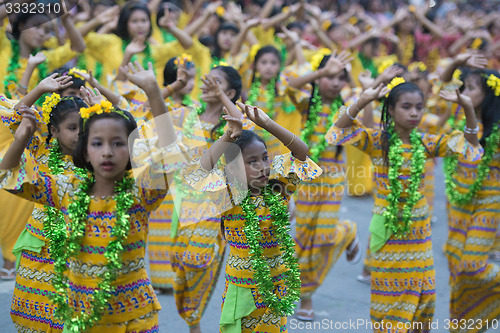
x=359, y=172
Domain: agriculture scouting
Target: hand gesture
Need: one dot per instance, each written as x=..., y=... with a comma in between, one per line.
x=54, y=83
x=137, y=45
x=290, y=36
x=372, y=94
x=234, y=126
x=108, y=14
x=135, y=73
x=109, y=25
x=251, y=23
x=166, y=21
x=37, y=59
x=400, y=15
x=87, y=77
x=457, y=97
x=390, y=73
x=256, y=115
x=211, y=7
x=213, y=87
x=91, y=96
x=365, y=79
x=474, y=60
x=337, y=63
x=182, y=73
x=27, y=126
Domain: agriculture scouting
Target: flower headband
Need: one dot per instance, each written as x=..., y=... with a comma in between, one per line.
x=103, y=107
x=220, y=11
x=395, y=82
x=221, y=62
x=420, y=66
x=48, y=105
x=494, y=83
x=317, y=58
x=184, y=59
x=476, y=44
x=253, y=51
x=76, y=73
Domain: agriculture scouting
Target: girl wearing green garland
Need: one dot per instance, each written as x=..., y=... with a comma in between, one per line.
x=321, y=236
x=403, y=290
x=262, y=274
x=473, y=191
x=32, y=249
x=102, y=237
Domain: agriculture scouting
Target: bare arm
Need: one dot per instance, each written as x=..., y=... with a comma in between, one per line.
x=75, y=38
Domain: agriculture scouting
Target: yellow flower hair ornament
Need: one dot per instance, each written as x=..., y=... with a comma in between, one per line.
x=326, y=25
x=395, y=82
x=220, y=11
x=353, y=20
x=76, y=73
x=103, y=107
x=457, y=74
x=318, y=57
x=184, y=59
x=476, y=44
x=253, y=51
x=49, y=104
x=420, y=66
x=494, y=83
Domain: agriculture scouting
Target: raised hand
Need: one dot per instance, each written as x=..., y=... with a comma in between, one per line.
x=37, y=59
x=474, y=60
x=213, y=87
x=256, y=115
x=87, y=76
x=91, y=96
x=337, y=63
x=182, y=73
x=137, y=45
x=108, y=14
x=27, y=126
x=166, y=21
x=234, y=125
x=457, y=97
x=374, y=93
x=143, y=78
x=365, y=79
x=390, y=73
x=54, y=83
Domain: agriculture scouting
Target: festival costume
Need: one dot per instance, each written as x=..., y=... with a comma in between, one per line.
x=402, y=269
x=243, y=309
x=133, y=297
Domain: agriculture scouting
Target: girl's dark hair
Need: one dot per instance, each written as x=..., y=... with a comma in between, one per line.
x=59, y=113
x=170, y=71
x=22, y=18
x=77, y=82
x=314, y=87
x=127, y=10
x=217, y=52
x=386, y=119
x=83, y=136
x=261, y=52
x=490, y=106
x=234, y=82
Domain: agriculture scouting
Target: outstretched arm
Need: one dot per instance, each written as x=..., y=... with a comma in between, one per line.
x=471, y=127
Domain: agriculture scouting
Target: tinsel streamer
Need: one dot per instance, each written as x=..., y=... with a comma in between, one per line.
x=400, y=222
x=262, y=273
x=313, y=121
x=451, y=162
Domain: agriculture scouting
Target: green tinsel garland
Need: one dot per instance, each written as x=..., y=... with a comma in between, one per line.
x=262, y=272
x=66, y=244
x=451, y=162
x=313, y=120
x=401, y=224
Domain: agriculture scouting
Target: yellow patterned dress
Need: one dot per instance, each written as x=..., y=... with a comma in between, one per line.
x=321, y=237
x=243, y=309
x=402, y=269
x=133, y=303
x=472, y=229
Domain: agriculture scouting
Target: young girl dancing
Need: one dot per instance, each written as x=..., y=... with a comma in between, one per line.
x=474, y=194
x=262, y=275
x=403, y=290
x=99, y=247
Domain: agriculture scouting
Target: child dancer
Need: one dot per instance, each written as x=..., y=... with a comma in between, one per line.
x=106, y=287
x=474, y=193
x=402, y=267
x=321, y=238
x=262, y=276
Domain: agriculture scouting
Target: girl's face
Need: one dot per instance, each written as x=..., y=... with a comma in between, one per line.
x=408, y=110
x=35, y=31
x=190, y=82
x=268, y=66
x=330, y=86
x=337, y=34
x=107, y=149
x=474, y=90
x=225, y=38
x=138, y=24
x=257, y=164
x=67, y=133
x=221, y=79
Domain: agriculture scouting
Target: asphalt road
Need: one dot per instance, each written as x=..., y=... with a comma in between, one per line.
x=341, y=304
